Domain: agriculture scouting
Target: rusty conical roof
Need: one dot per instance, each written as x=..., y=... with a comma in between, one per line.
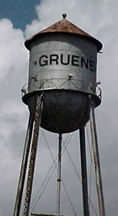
x=64, y=26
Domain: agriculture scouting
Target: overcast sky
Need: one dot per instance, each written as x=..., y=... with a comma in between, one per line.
x=19, y=21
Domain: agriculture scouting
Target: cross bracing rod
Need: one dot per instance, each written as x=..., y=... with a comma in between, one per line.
x=96, y=156
x=34, y=142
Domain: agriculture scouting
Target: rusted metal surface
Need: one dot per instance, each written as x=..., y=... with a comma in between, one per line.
x=34, y=142
x=65, y=26
x=21, y=182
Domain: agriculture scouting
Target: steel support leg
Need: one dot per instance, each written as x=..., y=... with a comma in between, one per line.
x=84, y=172
x=59, y=175
x=34, y=142
x=23, y=168
x=96, y=161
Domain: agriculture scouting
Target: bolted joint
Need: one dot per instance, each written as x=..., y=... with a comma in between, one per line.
x=58, y=180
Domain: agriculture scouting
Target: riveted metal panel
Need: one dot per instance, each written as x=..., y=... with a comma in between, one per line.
x=63, y=62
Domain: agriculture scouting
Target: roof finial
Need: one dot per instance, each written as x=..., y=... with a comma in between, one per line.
x=64, y=15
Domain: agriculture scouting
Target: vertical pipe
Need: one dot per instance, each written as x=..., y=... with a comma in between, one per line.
x=34, y=142
x=97, y=161
x=59, y=175
x=84, y=172
x=23, y=168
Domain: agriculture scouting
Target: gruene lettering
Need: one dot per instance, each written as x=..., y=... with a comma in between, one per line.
x=67, y=59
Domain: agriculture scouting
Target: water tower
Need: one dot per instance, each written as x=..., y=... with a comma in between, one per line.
x=61, y=98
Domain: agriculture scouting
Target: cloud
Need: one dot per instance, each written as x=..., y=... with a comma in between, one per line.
x=13, y=73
